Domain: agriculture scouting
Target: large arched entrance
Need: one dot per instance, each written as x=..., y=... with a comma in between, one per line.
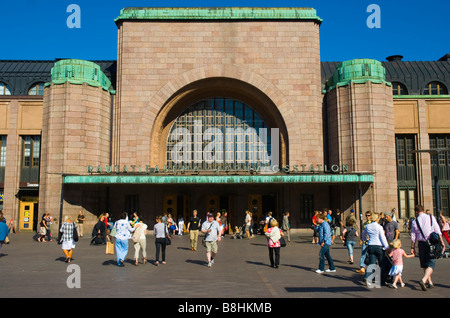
x=220, y=90
x=215, y=126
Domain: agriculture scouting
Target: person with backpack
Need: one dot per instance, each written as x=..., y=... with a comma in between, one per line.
x=422, y=228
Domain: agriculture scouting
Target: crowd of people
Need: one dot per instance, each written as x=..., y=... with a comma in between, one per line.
x=378, y=237
x=381, y=248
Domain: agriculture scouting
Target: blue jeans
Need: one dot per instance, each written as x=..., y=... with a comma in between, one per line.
x=350, y=245
x=325, y=253
x=375, y=254
x=363, y=255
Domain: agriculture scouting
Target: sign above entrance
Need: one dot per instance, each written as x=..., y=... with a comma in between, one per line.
x=287, y=169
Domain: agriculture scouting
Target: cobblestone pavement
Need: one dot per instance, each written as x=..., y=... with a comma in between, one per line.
x=241, y=270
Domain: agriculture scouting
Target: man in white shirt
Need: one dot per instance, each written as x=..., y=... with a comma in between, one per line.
x=428, y=225
x=211, y=229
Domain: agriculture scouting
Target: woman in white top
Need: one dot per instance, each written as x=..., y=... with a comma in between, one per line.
x=376, y=244
x=123, y=234
x=68, y=240
x=140, y=241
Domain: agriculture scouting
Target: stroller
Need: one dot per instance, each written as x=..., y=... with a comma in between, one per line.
x=386, y=265
x=238, y=233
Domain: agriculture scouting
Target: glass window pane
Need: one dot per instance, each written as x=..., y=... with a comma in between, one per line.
x=3, y=151
x=235, y=137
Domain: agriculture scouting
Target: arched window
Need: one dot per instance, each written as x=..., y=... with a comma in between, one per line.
x=218, y=133
x=435, y=88
x=37, y=89
x=4, y=89
x=399, y=89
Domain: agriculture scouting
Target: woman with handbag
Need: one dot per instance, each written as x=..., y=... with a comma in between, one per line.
x=161, y=233
x=69, y=235
x=274, y=235
x=123, y=234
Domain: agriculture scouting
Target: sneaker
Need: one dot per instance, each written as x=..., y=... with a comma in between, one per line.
x=330, y=270
x=362, y=270
x=392, y=286
x=368, y=284
x=212, y=261
x=209, y=264
x=318, y=271
x=402, y=284
x=422, y=285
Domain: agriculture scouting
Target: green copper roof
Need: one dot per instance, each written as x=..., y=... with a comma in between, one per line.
x=225, y=13
x=79, y=72
x=357, y=71
x=223, y=179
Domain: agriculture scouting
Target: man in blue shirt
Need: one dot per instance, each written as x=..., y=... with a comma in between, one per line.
x=325, y=243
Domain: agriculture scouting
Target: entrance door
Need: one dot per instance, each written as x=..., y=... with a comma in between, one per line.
x=177, y=205
x=212, y=204
x=26, y=216
x=170, y=205
x=255, y=206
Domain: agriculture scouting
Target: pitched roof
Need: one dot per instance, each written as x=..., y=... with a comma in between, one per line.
x=21, y=75
x=413, y=74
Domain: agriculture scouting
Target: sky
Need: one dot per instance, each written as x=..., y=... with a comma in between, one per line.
x=418, y=30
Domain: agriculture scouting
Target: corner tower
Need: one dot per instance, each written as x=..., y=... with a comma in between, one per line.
x=75, y=131
x=361, y=128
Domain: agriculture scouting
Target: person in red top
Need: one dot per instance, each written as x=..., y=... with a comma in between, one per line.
x=397, y=254
x=314, y=227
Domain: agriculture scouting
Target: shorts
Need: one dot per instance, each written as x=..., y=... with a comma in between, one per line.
x=211, y=246
x=424, y=256
x=338, y=231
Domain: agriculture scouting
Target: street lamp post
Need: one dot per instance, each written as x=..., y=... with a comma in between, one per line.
x=437, y=191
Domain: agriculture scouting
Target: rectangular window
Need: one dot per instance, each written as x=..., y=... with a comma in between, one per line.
x=2, y=151
x=405, y=144
x=31, y=151
x=406, y=160
x=440, y=141
x=406, y=203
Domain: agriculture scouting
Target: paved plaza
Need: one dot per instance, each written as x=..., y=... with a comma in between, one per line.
x=241, y=270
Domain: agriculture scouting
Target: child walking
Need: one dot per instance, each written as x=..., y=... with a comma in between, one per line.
x=397, y=254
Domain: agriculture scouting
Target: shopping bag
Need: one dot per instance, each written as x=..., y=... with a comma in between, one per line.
x=109, y=248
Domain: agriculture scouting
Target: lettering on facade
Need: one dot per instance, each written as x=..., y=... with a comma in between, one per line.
x=147, y=169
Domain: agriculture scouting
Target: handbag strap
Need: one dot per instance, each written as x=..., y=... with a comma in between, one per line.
x=209, y=229
x=420, y=229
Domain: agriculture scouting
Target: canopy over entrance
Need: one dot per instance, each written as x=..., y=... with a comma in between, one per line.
x=222, y=179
